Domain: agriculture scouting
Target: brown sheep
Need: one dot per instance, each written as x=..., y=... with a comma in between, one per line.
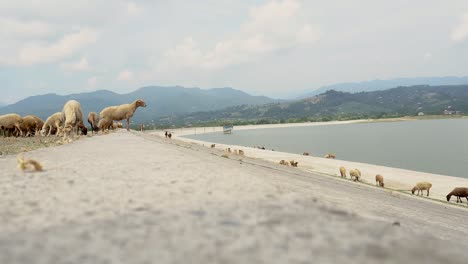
x=293, y=163
x=11, y=121
x=31, y=124
x=121, y=112
x=379, y=180
x=93, y=120
x=330, y=156
x=104, y=124
x=421, y=186
x=241, y=152
x=343, y=172
x=305, y=153
x=459, y=192
x=283, y=162
x=212, y=145
x=355, y=174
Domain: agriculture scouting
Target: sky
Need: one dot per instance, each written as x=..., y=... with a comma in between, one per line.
x=274, y=47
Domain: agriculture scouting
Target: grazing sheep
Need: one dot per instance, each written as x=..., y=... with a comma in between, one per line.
x=293, y=163
x=355, y=174
x=343, y=172
x=72, y=116
x=11, y=121
x=170, y=135
x=283, y=162
x=104, y=124
x=421, y=186
x=52, y=124
x=212, y=145
x=228, y=150
x=379, y=180
x=121, y=112
x=305, y=153
x=31, y=125
x=459, y=192
x=93, y=120
x=166, y=134
x=241, y=152
x=330, y=156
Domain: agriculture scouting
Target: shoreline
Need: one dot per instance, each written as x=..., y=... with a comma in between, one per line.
x=396, y=179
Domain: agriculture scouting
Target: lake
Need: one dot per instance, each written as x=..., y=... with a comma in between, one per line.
x=435, y=146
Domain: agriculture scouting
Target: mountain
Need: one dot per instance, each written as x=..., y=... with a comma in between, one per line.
x=161, y=101
x=337, y=105
x=376, y=85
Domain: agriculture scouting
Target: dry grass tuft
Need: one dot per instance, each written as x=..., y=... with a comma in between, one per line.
x=25, y=164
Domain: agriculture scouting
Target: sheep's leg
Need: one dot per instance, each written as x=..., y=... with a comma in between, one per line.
x=128, y=124
x=427, y=192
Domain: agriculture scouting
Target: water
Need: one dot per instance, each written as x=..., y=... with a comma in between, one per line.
x=435, y=146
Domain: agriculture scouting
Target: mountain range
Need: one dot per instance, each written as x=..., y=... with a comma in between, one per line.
x=338, y=105
x=161, y=101
x=376, y=85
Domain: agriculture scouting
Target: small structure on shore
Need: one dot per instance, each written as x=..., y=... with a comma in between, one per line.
x=227, y=129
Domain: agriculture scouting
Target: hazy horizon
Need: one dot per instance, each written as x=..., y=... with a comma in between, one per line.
x=276, y=48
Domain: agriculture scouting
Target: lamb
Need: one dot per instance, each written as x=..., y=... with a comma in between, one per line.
x=11, y=121
x=104, y=124
x=72, y=117
x=52, y=124
x=121, y=112
x=459, y=192
x=343, y=172
x=421, y=186
x=379, y=180
x=356, y=174
x=93, y=120
x=330, y=156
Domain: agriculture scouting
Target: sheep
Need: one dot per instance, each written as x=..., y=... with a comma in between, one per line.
x=52, y=124
x=121, y=112
x=330, y=156
x=212, y=145
x=379, y=180
x=170, y=135
x=293, y=163
x=241, y=152
x=93, y=120
x=355, y=174
x=31, y=124
x=228, y=150
x=421, y=186
x=305, y=153
x=72, y=117
x=11, y=121
x=343, y=172
x=104, y=124
x=142, y=128
x=459, y=192
x=283, y=162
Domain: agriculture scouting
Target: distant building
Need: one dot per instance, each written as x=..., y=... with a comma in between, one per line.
x=420, y=114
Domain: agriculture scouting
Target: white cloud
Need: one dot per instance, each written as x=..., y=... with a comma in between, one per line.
x=125, y=75
x=81, y=65
x=271, y=27
x=133, y=9
x=92, y=82
x=460, y=32
x=24, y=29
x=40, y=52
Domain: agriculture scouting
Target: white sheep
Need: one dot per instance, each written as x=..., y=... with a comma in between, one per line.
x=72, y=117
x=421, y=186
x=355, y=174
x=52, y=123
x=11, y=122
x=121, y=112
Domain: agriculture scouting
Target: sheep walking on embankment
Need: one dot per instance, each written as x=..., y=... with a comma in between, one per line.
x=330, y=156
x=379, y=180
x=11, y=122
x=52, y=124
x=93, y=120
x=355, y=174
x=459, y=192
x=343, y=172
x=421, y=186
x=121, y=112
x=72, y=118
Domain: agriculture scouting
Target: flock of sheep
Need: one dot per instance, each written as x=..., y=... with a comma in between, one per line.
x=69, y=120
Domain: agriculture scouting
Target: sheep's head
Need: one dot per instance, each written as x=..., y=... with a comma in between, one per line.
x=448, y=197
x=413, y=190
x=140, y=103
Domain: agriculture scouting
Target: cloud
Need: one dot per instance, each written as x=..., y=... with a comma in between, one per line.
x=270, y=28
x=24, y=29
x=125, y=75
x=81, y=65
x=133, y=9
x=92, y=82
x=68, y=45
x=460, y=32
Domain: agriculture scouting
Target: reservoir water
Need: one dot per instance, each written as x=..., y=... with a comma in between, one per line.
x=435, y=146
